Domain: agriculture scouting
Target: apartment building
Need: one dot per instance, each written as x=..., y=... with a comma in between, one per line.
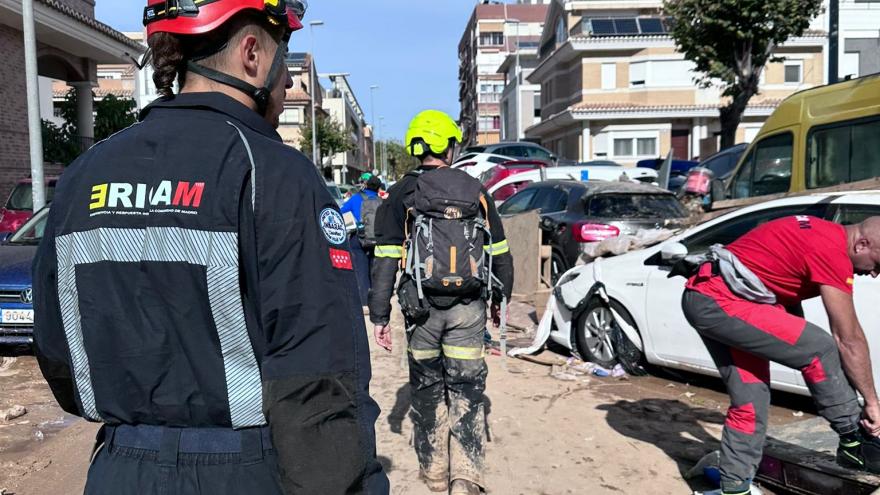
x=492, y=33
x=343, y=107
x=298, y=101
x=613, y=85
x=70, y=45
x=521, y=99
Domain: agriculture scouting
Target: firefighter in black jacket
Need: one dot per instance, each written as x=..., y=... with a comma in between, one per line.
x=194, y=282
x=446, y=355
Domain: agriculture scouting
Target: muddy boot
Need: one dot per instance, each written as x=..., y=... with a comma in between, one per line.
x=464, y=487
x=859, y=451
x=434, y=484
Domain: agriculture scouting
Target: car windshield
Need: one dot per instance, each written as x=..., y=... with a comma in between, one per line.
x=32, y=231
x=334, y=191
x=635, y=206
x=22, y=197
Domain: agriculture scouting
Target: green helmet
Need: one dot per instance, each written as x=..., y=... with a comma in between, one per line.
x=431, y=132
x=365, y=177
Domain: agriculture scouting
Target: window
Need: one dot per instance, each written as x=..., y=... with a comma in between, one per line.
x=727, y=232
x=550, y=200
x=638, y=73
x=561, y=31
x=609, y=76
x=539, y=153
x=492, y=123
x=22, y=197
x=626, y=206
x=491, y=39
x=291, y=116
x=513, y=151
x=834, y=159
x=630, y=147
x=767, y=168
x=852, y=214
x=538, y=106
x=722, y=165
x=517, y=203
x=794, y=72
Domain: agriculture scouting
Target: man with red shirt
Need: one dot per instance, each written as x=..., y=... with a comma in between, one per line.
x=796, y=258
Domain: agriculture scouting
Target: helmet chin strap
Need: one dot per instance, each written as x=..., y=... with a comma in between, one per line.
x=261, y=96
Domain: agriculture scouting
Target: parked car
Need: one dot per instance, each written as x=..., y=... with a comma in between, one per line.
x=334, y=191
x=475, y=164
x=497, y=174
x=718, y=166
x=574, y=213
x=515, y=149
x=16, y=294
x=816, y=138
x=677, y=173
x=606, y=173
x=19, y=207
x=650, y=302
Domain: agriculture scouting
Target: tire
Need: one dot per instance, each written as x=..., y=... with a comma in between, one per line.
x=600, y=340
x=558, y=266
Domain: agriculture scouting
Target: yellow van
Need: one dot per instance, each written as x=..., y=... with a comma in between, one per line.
x=817, y=138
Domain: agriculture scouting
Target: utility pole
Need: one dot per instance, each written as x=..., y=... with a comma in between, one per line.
x=373, y=123
x=35, y=130
x=833, y=41
x=313, y=81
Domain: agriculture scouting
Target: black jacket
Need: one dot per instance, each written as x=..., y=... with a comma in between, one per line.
x=391, y=234
x=195, y=272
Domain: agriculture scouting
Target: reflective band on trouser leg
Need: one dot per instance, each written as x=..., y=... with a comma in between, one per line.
x=465, y=353
x=217, y=252
x=498, y=248
x=423, y=354
x=388, y=252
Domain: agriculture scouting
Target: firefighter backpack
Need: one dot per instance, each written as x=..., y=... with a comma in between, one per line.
x=448, y=227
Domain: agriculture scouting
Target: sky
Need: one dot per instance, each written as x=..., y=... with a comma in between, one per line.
x=409, y=48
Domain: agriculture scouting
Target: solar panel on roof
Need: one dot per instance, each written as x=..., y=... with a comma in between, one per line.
x=626, y=26
x=602, y=27
x=651, y=25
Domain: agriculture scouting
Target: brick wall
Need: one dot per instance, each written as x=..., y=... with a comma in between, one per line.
x=86, y=7
x=14, y=149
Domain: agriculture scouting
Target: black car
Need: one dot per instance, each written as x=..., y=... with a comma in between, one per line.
x=721, y=164
x=574, y=213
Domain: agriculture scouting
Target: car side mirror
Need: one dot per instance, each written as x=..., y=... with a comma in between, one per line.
x=672, y=252
x=548, y=224
x=719, y=192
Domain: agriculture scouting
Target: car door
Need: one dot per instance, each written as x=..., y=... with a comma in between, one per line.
x=866, y=290
x=519, y=202
x=676, y=343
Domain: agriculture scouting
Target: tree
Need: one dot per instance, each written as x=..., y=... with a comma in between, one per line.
x=399, y=161
x=62, y=144
x=731, y=41
x=332, y=137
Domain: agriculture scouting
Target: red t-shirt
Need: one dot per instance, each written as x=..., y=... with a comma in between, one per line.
x=794, y=256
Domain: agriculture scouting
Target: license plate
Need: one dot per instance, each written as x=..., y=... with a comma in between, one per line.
x=20, y=316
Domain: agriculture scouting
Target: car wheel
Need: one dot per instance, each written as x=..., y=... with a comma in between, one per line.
x=600, y=340
x=594, y=334
x=558, y=266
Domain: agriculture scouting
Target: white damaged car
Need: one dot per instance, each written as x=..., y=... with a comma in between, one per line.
x=626, y=309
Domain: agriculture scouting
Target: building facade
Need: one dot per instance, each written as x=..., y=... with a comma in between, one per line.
x=343, y=107
x=70, y=45
x=493, y=32
x=298, y=101
x=613, y=85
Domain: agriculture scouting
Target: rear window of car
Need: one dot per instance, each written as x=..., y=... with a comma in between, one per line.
x=22, y=197
x=635, y=206
x=474, y=149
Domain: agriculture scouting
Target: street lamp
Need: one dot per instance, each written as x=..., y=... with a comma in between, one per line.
x=384, y=148
x=313, y=87
x=373, y=122
x=518, y=71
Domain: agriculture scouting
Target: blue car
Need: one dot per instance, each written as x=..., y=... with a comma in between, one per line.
x=16, y=296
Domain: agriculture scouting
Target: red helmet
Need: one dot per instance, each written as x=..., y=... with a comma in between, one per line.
x=203, y=16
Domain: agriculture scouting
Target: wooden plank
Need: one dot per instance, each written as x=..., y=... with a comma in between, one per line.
x=524, y=237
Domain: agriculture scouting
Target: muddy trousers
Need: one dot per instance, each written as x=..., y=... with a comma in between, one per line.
x=743, y=337
x=448, y=377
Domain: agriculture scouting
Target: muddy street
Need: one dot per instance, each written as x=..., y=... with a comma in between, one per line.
x=547, y=436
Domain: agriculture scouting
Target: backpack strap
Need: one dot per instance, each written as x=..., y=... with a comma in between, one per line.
x=485, y=205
